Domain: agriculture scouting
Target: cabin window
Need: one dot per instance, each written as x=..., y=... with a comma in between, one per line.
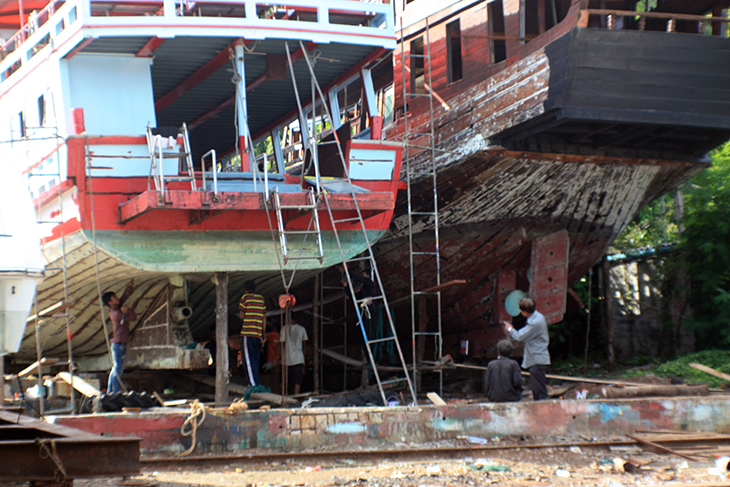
x=41, y=111
x=17, y=127
x=497, y=44
x=554, y=13
x=453, y=51
x=418, y=73
x=534, y=19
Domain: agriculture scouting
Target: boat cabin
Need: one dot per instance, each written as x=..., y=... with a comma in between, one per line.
x=646, y=78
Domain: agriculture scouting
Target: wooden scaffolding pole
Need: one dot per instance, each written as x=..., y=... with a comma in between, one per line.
x=221, y=338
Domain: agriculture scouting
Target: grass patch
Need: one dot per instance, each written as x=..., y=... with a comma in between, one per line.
x=716, y=359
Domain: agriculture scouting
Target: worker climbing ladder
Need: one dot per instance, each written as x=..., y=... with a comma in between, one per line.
x=362, y=305
x=427, y=249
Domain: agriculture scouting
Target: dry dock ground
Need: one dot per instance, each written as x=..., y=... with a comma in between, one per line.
x=515, y=466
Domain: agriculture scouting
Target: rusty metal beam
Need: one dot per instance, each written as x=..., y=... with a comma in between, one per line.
x=149, y=47
x=37, y=451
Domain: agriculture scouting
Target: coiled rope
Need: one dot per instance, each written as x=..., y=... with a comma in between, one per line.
x=196, y=418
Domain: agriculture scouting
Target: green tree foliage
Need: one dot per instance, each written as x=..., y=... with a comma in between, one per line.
x=655, y=224
x=707, y=240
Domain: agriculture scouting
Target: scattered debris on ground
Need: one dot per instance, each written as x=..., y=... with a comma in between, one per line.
x=556, y=466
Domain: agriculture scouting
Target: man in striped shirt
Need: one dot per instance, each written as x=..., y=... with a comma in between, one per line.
x=252, y=311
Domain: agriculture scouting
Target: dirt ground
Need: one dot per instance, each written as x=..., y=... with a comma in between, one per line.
x=552, y=466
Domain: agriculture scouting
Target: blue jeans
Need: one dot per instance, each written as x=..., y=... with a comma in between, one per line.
x=118, y=352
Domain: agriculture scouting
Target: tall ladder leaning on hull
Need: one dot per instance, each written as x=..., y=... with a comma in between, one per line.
x=430, y=281
x=359, y=304
x=62, y=308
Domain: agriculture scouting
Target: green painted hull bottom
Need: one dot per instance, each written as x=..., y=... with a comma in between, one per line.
x=224, y=251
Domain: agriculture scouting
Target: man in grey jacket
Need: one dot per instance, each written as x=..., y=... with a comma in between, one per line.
x=536, y=339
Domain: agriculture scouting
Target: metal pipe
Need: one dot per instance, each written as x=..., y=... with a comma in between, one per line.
x=182, y=313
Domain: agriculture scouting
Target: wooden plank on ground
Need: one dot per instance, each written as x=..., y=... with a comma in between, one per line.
x=273, y=398
x=565, y=377
x=710, y=371
x=661, y=448
x=80, y=385
x=343, y=358
x=241, y=390
x=436, y=399
x=656, y=390
x=33, y=368
x=174, y=402
x=559, y=391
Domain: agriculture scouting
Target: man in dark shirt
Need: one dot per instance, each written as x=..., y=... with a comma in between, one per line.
x=120, y=317
x=503, y=379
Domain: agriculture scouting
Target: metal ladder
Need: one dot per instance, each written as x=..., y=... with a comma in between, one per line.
x=360, y=304
x=370, y=258
x=304, y=253
x=158, y=153
x=62, y=307
x=418, y=257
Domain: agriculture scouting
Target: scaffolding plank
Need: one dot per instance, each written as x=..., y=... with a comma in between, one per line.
x=80, y=385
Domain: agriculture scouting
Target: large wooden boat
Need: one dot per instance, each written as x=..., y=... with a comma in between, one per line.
x=88, y=91
x=554, y=122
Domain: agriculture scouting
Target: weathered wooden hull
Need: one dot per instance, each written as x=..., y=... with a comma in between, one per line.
x=495, y=204
x=574, y=130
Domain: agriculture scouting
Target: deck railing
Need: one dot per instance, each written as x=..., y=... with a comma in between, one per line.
x=631, y=20
x=323, y=20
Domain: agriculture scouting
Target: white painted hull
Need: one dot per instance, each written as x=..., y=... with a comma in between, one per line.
x=20, y=258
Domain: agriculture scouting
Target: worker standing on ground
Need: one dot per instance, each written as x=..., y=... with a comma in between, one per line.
x=503, y=379
x=536, y=339
x=293, y=337
x=120, y=317
x=252, y=311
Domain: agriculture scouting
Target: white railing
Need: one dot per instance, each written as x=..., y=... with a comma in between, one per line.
x=319, y=21
x=48, y=27
x=215, y=170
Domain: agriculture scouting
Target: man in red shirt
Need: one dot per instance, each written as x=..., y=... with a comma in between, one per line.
x=252, y=311
x=120, y=317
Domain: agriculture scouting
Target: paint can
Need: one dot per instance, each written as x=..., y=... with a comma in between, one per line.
x=465, y=347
